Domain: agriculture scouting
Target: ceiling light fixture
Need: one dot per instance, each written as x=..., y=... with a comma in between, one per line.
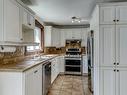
x=76, y=19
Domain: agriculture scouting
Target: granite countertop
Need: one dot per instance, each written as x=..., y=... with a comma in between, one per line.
x=24, y=65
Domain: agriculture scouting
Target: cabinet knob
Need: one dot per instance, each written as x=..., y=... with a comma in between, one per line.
x=117, y=63
x=36, y=71
x=114, y=63
x=29, y=24
x=117, y=70
x=114, y=70
x=117, y=20
x=114, y=20
x=21, y=39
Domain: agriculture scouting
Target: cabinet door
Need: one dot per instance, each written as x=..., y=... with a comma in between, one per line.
x=31, y=21
x=57, y=66
x=61, y=66
x=28, y=19
x=121, y=82
x=1, y=20
x=47, y=37
x=107, y=15
x=11, y=21
x=53, y=71
x=121, y=45
x=33, y=81
x=76, y=33
x=63, y=38
x=53, y=37
x=25, y=17
x=107, y=45
x=85, y=64
x=107, y=81
x=121, y=14
x=68, y=33
x=84, y=32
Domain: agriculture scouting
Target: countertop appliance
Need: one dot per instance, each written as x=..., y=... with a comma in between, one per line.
x=73, y=61
x=90, y=58
x=46, y=77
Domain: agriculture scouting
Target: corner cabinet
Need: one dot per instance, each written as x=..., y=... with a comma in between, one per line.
x=22, y=83
x=11, y=31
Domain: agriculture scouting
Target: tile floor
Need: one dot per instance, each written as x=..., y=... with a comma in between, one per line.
x=70, y=85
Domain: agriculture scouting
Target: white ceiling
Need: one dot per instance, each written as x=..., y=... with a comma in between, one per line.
x=59, y=12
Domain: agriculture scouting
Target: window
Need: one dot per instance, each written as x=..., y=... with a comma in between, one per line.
x=38, y=38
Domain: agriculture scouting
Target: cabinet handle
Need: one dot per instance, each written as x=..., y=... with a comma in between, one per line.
x=114, y=70
x=117, y=70
x=114, y=20
x=117, y=63
x=36, y=71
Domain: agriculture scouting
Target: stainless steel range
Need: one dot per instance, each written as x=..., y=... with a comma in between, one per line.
x=73, y=60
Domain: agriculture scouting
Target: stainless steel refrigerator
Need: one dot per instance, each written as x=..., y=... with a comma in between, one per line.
x=90, y=59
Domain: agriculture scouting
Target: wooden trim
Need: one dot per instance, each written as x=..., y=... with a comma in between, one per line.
x=38, y=24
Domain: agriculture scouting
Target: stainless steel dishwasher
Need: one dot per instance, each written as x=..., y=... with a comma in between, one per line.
x=46, y=68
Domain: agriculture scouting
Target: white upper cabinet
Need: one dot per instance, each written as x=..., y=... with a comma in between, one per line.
x=121, y=45
x=62, y=33
x=11, y=16
x=1, y=20
x=47, y=35
x=84, y=34
x=107, y=15
x=11, y=21
x=56, y=37
x=121, y=14
x=28, y=19
x=113, y=15
x=52, y=36
x=76, y=33
x=68, y=34
x=107, y=45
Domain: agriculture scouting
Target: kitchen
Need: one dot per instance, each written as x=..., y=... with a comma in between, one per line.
x=46, y=51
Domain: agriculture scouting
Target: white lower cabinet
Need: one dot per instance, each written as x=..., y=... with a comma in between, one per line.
x=33, y=81
x=54, y=69
x=57, y=67
x=85, y=64
x=61, y=64
x=113, y=81
x=22, y=83
x=121, y=81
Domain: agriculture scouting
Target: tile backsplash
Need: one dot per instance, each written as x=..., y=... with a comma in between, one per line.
x=12, y=56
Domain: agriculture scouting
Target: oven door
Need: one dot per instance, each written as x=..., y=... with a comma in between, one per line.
x=73, y=66
x=73, y=61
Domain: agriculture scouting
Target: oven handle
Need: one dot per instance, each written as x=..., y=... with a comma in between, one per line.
x=73, y=58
